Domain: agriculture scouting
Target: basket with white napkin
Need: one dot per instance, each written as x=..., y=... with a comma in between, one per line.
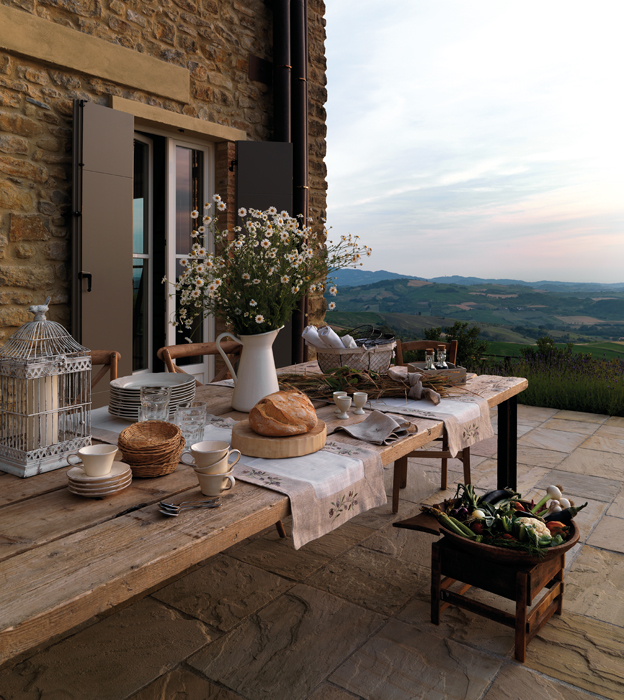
x=371, y=350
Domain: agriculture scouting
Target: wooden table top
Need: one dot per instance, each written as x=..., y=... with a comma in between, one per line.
x=64, y=559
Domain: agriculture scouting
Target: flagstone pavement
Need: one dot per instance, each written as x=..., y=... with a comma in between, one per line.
x=347, y=616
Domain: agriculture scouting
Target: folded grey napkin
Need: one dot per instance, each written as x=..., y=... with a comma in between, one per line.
x=416, y=390
x=378, y=428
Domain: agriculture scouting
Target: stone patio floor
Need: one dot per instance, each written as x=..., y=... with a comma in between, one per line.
x=347, y=616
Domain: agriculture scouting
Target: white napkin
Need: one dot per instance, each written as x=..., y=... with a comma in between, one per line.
x=348, y=341
x=379, y=429
x=328, y=336
x=310, y=335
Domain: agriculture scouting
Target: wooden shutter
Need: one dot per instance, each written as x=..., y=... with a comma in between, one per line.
x=264, y=178
x=102, y=245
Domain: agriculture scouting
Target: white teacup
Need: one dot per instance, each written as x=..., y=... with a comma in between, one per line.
x=223, y=466
x=205, y=453
x=96, y=460
x=215, y=484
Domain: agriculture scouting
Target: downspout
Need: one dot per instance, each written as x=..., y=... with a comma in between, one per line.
x=281, y=70
x=299, y=118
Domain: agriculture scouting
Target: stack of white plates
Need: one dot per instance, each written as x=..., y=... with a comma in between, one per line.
x=125, y=392
x=119, y=478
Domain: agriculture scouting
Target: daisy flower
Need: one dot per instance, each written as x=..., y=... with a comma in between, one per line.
x=272, y=211
x=284, y=279
x=259, y=318
x=253, y=302
x=207, y=219
x=246, y=276
x=201, y=229
x=194, y=214
x=256, y=281
x=221, y=206
x=333, y=291
x=184, y=262
x=265, y=244
x=242, y=211
x=332, y=305
x=196, y=293
x=199, y=282
x=216, y=198
x=284, y=214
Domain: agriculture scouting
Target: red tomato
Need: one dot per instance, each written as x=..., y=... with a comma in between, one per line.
x=477, y=528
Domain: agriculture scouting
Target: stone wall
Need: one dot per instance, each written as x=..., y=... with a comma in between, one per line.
x=210, y=38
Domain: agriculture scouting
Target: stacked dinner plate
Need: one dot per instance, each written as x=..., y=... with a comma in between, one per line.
x=125, y=392
x=119, y=478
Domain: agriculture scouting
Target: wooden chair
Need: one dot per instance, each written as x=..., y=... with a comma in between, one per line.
x=109, y=360
x=169, y=353
x=232, y=349
x=400, y=467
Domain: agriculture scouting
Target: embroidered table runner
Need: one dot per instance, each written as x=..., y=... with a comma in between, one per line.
x=466, y=418
x=325, y=488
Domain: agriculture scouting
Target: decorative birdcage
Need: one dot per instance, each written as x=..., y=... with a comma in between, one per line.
x=45, y=397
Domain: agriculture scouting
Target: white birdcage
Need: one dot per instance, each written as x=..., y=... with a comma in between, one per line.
x=45, y=397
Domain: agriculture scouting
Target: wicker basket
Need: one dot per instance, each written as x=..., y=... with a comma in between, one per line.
x=151, y=448
x=374, y=359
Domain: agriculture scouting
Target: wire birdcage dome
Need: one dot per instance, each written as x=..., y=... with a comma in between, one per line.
x=45, y=396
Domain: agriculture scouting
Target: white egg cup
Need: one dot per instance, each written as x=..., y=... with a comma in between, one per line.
x=335, y=395
x=343, y=403
x=359, y=401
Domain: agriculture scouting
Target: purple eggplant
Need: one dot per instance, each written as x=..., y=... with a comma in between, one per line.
x=564, y=516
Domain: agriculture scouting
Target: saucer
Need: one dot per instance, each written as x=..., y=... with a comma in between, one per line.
x=97, y=493
x=78, y=476
x=76, y=485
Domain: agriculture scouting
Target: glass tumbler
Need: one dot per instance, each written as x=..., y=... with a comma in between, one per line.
x=154, y=403
x=191, y=419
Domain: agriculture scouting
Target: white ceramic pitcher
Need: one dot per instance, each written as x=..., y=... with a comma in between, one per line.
x=257, y=376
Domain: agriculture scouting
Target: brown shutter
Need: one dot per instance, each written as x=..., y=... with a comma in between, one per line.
x=264, y=178
x=103, y=173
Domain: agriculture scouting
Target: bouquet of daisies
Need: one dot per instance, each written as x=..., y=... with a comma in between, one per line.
x=260, y=271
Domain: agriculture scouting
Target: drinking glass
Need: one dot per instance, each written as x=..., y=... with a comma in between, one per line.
x=191, y=419
x=154, y=403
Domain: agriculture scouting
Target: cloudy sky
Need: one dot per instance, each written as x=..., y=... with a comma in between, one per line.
x=479, y=137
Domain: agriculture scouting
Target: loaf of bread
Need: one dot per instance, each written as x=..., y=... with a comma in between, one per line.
x=283, y=413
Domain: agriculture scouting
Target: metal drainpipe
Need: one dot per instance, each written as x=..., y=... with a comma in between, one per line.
x=281, y=70
x=299, y=118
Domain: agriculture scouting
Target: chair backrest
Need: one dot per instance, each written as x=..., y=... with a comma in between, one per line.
x=169, y=353
x=108, y=358
x=402, y=347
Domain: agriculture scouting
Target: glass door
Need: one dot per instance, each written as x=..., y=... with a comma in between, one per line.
x=142, y=267
x=190, y=186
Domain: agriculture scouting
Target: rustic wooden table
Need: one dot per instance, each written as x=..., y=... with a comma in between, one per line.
x=64, y=559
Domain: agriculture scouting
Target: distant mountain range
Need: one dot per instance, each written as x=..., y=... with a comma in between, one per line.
x=358, y=278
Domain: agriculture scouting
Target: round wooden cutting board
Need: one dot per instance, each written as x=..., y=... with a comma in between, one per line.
x=254, y=445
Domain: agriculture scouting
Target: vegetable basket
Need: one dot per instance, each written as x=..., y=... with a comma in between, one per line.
x=504, y=555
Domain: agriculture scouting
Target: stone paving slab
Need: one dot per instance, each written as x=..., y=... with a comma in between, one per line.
x=409, y=546
x=223, y=592
x=616, y=509
x=537, y=457
x=380, y=517
x=111, y=659
x=581, y=416
x=528, y=477
x=608, y=534
x=594, y=586
x=556, y=440
x=605, y=464
x=373, y=580
x=604, y=444
x=582, y=487
x=331, y=692
x=572, y=426
x=612, y=431
x=582, y=652
x=615, y=421
x=183, y=684
x=535, y=413
x=287, y=649
x=515, y=682
x=462, y=626
x=404, y=662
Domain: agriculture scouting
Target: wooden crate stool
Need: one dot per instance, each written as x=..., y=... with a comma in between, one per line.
x=512, y=581
x=520, y=582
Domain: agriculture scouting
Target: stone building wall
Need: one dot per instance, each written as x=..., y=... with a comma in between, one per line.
x=212, y=39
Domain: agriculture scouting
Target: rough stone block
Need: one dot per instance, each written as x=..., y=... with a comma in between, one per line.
x=14, y=317
x=28, y=228
x=30, y=277
x=10, y=297
x=57, y=250
x=16, y=124
x=14, y=167
x=14, y=198
x=24, y=250
x=13, y=144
